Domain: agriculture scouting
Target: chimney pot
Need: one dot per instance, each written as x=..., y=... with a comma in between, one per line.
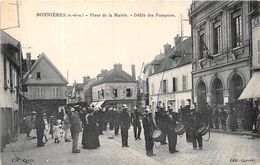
x=133, y=71
x=118, y=66
x=167, y=47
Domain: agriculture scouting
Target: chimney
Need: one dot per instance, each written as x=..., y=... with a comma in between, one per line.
x=86, y=79
x=118, y=66
x=177, y=40
x=167, y=47
x=28, y=61
x=133, y=71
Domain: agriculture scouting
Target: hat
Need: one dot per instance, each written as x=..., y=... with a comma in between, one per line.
x=169, y=107
x=135, y=107
x=76, y=106
x=33, y=112
x=192, y=107
x=58, y=121
x=72, y=109
x=111, y=108
x=124, y=106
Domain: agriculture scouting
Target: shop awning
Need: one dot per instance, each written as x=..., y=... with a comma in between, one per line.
x=97, y=103
x=252, y=89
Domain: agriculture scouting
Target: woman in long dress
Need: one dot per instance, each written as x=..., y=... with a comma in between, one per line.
x=90, y=138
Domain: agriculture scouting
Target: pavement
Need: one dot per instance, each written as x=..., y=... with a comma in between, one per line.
x=220, y=149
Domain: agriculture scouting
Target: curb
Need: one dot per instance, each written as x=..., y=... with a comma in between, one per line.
x=235, y=133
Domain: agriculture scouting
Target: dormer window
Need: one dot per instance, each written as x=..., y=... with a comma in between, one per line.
x=38, y=75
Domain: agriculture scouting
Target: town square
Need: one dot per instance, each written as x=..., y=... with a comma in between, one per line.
x=130, y=82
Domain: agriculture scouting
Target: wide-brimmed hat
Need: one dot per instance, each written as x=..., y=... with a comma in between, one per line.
x=58, y=121
x=169, y=107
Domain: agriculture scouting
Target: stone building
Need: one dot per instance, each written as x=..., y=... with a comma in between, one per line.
x=114, y=89
x=10, y=87
x=220, y=36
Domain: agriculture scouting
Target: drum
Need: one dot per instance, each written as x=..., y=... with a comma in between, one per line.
x=203, y=130
x=179, y=129
x=157, y=135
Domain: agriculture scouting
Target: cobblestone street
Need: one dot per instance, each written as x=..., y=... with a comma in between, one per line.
x=220, y=149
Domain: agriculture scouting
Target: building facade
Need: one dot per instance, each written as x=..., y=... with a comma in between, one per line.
x=115, y=89
x=10, y=87
x=46, y=86
x=220, y=37
x=221, y=53
x=170, y=83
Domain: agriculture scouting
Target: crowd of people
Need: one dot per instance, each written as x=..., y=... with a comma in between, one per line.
x=70, y=121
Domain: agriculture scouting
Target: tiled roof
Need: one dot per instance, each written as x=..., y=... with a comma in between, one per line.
x=116, y=75
x=182, y=57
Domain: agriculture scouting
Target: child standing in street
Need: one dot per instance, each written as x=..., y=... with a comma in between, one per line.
x=57, y=131
x=47, y=129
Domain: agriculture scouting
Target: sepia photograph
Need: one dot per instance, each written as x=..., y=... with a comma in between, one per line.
x=130, y=82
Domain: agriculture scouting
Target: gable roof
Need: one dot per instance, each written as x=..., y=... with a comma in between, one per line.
x=182, y=53
x=42, y=57
x=116, y=76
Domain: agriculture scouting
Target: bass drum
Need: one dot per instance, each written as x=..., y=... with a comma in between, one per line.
x=179, y=129
x=203, y=130
x=157, y=135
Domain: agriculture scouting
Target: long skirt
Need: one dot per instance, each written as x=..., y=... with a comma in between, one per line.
x=90, y=140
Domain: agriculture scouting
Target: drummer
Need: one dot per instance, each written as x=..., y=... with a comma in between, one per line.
x=148, y=126
x=171, y=134
x=196, y=121
x=161, y=118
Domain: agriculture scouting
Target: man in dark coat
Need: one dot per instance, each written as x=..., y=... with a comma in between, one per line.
x=196, y=119
x=185, y=110
x=223, y=118
x=124, y=125
x=161, y=120
x=216, y=117
x=111, y=118
x=172, y=136
x=116, y=120
x=135, y=121
x=99, y=116
x=149, y=126
x=39, y=126
x=75, y=128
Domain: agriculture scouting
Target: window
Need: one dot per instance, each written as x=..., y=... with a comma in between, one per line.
x=184, y=82
x=202, y=48
x=11, y=76
x=115, y=92
x=236, y=25
x=164, y=86
x=54, y=92
x=174, y=87
x=102, y=93
x=128, y=92
x=40, y=92
x=217, y=43
x=38, y=75
x=5, y=78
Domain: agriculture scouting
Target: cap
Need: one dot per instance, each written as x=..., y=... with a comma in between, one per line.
x=124, y=106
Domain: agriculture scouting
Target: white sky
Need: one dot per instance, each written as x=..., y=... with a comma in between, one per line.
x=86, y=45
